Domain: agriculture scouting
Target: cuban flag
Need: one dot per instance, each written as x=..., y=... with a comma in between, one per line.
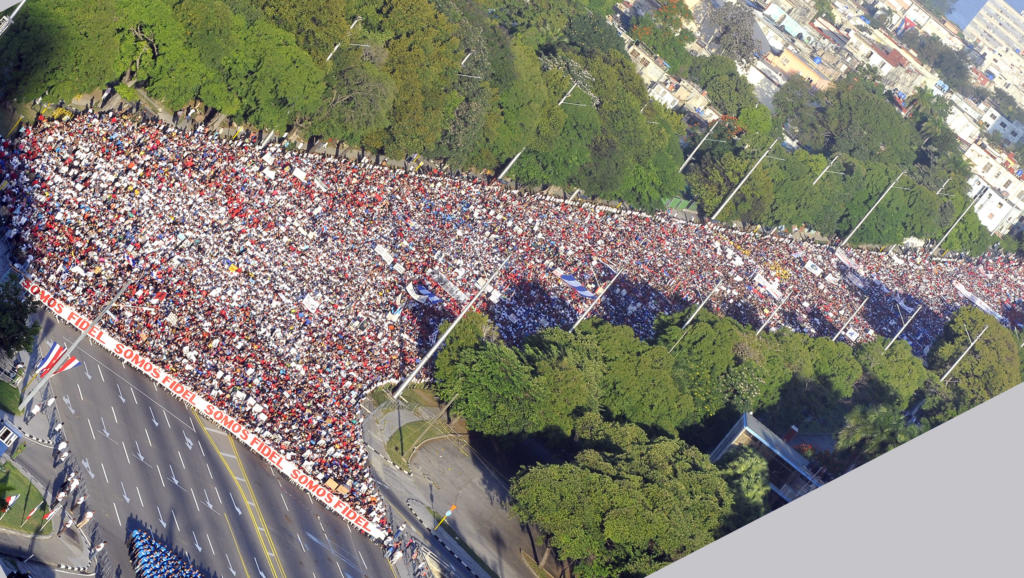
x=11, y=499
x=46, y=364
x=422, y=295
x=71, y=363
x=572, y=282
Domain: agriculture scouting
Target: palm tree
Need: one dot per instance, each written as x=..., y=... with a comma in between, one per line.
x=873, y=431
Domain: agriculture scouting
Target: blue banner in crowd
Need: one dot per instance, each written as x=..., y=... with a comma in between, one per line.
x=572, y=282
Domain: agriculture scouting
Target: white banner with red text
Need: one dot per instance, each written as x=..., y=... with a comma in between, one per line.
x=210, y=410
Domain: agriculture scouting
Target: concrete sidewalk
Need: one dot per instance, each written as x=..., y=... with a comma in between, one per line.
x=70, y=551
x=446, y=471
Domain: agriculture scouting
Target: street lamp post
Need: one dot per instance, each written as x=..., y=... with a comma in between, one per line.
x=848, y=321
x=694, y=314
x=697, y=148
x=440, y=340
x=594, y=304
x=878, y=202
x=745, y=177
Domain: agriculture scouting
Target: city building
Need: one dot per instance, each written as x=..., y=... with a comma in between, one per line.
x=994, y=122
x=789, y=473
x=997, y=31
x=997, y=184
x=996, y=210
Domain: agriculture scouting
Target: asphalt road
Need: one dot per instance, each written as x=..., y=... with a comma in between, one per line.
x=149, y=461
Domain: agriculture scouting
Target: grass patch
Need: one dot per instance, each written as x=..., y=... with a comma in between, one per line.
x=400, y=444
x=10, y=397
x=14, y=482
x=451, y=532
x=534, y=567
x=379, y=397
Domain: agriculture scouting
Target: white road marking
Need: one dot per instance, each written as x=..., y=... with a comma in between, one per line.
x=228, y=455
x=161, y=476
x=126, y=453
x=132, y=389
x=209, y=470
x=218, y=495
x=200, y=444
x=137, y=491
x=100, y=367
x=363, y=559
x=175, y=520
x=300, y=541
x=104, y=468
x=113, y=412
x=210, y=542
x=339, y=568
x=80, y=396
x=285, y=503
x=147, y=437
x=167, y=419
x=194, y=499
x=182, y=459
x=90, y=428
x=118, y=516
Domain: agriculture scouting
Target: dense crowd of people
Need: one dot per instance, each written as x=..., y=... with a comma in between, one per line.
x=284, y=286
x=152, y=559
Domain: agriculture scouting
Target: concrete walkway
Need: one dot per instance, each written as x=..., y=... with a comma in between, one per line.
x=443, y=472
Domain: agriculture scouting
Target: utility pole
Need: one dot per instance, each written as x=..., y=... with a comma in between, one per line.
x=571, y=88
x=594, y=303
x=825, y=170
x=905, y=325
x=745, y=177
x=694, y=314
x=440, y=340
x=774, y=312
x=955, y=223
x=843, y=328
x=6, y=22
x=964, y=354
x=510, y=163
x=865, y=217
x=697, y=148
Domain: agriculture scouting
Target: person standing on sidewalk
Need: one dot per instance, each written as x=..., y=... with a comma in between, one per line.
x=67, y=524
x=36, y=408
x=79, y=501
x=97, y=549
x=85, y=519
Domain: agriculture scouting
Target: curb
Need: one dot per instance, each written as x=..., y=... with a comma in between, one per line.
x=83, y=570
x=443, y=544
x=38, y=440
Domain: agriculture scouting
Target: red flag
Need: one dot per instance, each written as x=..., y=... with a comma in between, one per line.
x=11, y=499
x=49, y=515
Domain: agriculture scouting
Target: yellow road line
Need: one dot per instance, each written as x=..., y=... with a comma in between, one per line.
x=241, y=556
x=259, y=511
x=252, y=517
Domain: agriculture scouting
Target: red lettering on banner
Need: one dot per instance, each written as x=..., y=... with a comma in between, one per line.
x=225, y=420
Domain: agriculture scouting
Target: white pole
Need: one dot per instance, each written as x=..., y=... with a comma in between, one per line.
x=774, y=312
x=697, y=148
x=594, y=304
x=745, y=177
x=905, y=325
x=465, y=59
x=510, y=163
x=843, y=328
x=440, y=340
x=15, y=13
x=567, y=94
x=964, y=354
x=957, y=221
x=694, y=314
x=825, y=170
x=865, y=217
x=333, y=51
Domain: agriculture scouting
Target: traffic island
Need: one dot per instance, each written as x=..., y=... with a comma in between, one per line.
x=29, y=498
